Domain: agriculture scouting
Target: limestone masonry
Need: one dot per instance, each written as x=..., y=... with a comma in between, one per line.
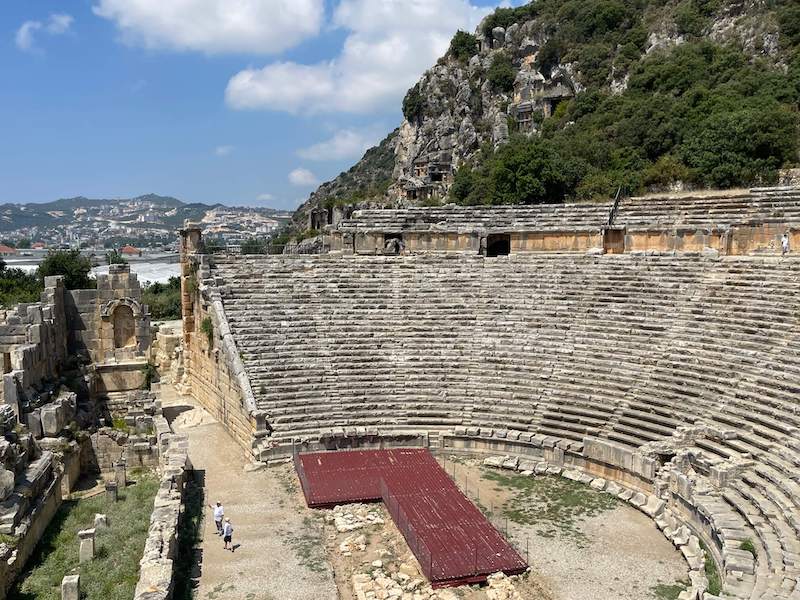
x=647, y=346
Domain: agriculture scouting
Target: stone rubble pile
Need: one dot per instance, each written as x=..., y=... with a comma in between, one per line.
x=378, y=583
x=350, y=517
x=353, y=543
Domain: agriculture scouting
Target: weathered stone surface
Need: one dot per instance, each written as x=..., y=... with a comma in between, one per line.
x=6, y=483
x=71, y=587
x=112, y=491
x=86, y=551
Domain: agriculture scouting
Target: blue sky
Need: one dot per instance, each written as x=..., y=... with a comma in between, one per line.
x=256, y=106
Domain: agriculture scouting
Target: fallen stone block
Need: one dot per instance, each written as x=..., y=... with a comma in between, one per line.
x=71, y=587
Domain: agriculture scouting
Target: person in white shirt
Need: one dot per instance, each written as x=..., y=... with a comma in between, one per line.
x=219, y=515
x=785, y=244
x=227, y=536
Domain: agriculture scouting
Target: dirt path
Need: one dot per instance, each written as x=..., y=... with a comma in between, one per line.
x=277, y=539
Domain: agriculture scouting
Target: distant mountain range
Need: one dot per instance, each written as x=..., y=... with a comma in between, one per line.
x=171, y=212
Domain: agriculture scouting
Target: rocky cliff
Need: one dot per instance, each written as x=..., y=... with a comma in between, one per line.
x=553, y=67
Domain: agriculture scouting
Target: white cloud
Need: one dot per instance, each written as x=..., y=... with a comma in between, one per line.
x=215, y=26
x=345, y=143
x=265, y=197
x=56, y=24
x=223, y=150
x=303, y=177
x=24, y=37
x=390, y=43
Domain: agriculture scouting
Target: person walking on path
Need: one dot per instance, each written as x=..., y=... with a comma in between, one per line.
x=219, y=515
x=785, y=244
x=227, y=536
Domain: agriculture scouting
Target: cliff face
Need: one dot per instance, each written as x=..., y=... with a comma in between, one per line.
x=525, y=66
x=366, y=181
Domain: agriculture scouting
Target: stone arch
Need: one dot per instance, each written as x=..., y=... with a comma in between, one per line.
x=111, y=307
x=124, y=324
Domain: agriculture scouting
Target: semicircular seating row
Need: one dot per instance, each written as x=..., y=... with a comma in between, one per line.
x=626, y=348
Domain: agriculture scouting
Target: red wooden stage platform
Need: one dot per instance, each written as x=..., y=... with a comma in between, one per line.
x=452, y=540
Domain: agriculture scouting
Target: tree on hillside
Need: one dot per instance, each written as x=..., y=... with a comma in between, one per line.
x=115, y=258
x=76, y=269
x=463, y=46
x=163, y=299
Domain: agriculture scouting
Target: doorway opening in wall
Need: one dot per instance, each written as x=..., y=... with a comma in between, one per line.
x=614, y=241
x=393, y=243
x=498, y=244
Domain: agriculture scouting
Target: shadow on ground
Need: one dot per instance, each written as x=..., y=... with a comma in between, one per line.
x=189, y=562
x=172, y=412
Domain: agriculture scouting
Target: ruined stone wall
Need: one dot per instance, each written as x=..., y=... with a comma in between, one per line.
x=109, y=324
x=33, y=343
x=156, y=569
x=133, y=439
x=212, y=378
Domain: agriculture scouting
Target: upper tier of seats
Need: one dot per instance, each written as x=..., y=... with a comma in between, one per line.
x=702, y=210
x=711, y=210
x=542, y=217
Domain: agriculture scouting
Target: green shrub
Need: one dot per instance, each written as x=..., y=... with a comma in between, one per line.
x=163, y=300
x=748, y=546
x=150, y=375
x=463, y=46
x=712, y=573
x=18, y=286
x=115, y=258
x=501, y=73
x=207, y=327
x=688, y=19
x=504, y=17
x=413, y=105
x=789, y=20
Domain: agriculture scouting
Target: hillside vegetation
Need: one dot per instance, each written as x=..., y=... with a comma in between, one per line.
x=701, y=112
x=665, y=94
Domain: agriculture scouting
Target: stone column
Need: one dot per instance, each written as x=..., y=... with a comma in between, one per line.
x=71, y=587
x=111, y=491
x=86, y=552
x=100, y=521
x=191, y=245
x=120, y=475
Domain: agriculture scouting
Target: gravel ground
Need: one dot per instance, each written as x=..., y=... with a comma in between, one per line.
x=623, y=556
x=281, y=549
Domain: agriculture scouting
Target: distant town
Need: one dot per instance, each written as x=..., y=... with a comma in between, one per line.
x=133, y=226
